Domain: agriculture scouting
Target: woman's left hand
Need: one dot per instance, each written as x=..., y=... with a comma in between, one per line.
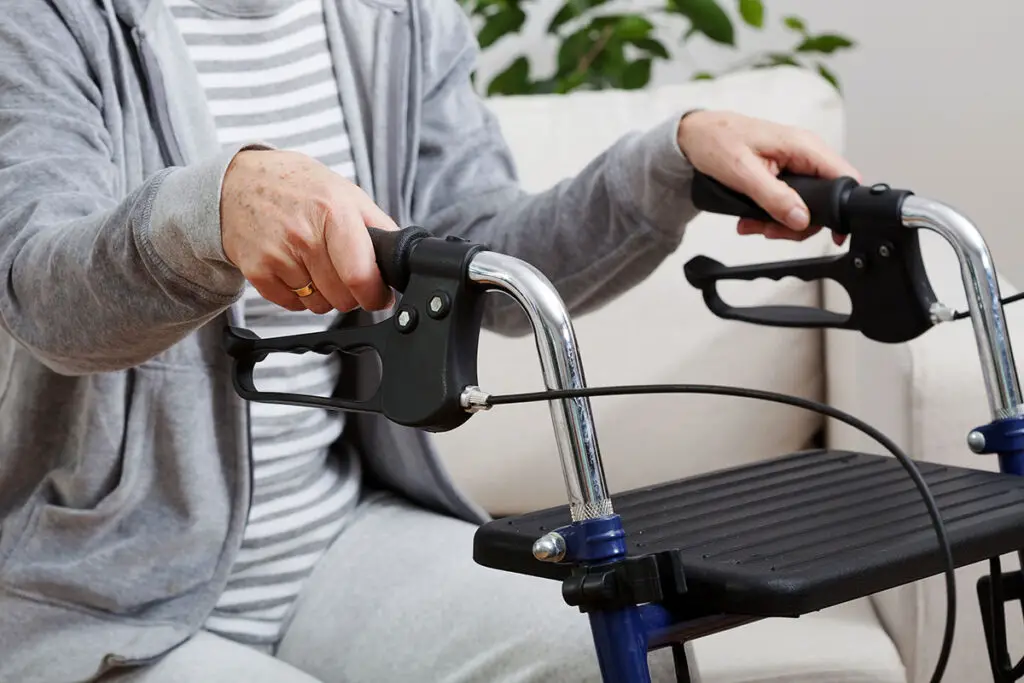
x=747, y=154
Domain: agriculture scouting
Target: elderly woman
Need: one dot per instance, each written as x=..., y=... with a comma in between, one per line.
x=170, y=166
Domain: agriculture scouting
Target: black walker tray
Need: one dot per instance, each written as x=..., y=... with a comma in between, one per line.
x=792, y=535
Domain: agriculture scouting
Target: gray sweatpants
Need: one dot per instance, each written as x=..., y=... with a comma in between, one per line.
x=399, y=598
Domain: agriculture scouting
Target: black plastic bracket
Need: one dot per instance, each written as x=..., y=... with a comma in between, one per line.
x=634, y=580
x=427, y=349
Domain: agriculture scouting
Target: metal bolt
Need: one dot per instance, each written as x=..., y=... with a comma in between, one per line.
x=883, y=251
x=475, y=399
x=858, y=262
x=976, y=441
x=404, y=319
x=549, y=548
x=940, y=313
x=436, y=304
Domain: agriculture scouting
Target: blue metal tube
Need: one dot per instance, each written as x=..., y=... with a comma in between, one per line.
x=620, y=637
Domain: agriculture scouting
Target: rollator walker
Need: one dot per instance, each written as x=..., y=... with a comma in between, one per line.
x=671, y=563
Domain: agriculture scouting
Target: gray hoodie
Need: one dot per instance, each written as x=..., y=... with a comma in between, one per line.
x=124, y=462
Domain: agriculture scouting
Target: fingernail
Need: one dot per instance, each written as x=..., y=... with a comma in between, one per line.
x=797, y=218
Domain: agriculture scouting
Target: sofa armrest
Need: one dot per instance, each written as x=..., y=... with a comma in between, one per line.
x=926, y=395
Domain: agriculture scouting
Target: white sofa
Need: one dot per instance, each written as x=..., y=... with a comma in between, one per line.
x=926, y=394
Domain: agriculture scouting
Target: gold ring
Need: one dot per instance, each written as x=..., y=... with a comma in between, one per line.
x=305, y=291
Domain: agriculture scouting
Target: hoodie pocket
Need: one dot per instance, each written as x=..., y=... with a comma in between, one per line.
x=159, y=533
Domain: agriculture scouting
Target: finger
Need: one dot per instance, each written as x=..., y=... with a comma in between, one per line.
x=352, y=255
x=751, y=177
x=780, y=232
x=329, y=283
x=376, y=217
x=314, y=302
x=275, y=291
x=805, y=153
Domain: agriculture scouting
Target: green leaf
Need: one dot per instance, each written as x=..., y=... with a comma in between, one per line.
x=776, y=59
x=633, y=27
x=752, y=12
x=637, y=74
x=830, y=77
x=706, y=17
x=796, y=24
x=703, y=76
x=501, y=24
x=652, y=46
x=572, y=9
x=826, y=43
x=514, y=80
x=574, y=48
x=610, y=63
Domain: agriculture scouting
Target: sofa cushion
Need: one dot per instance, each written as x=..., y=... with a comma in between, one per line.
x=843, y=644
x=660, y=332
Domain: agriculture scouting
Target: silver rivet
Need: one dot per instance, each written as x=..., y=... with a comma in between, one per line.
x=858, y=262
x=436, y=304
x=549, y=548
x=883, y=251
x=976, y=441
x=404, y=319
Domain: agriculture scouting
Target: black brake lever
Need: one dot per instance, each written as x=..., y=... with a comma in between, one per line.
x=427, y=349
x=883, y=273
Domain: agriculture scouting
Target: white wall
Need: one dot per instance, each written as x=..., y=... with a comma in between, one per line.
x=934, y=91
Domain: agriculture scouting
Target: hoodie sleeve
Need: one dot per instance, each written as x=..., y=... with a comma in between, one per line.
x=95, y=278
x=594, y=235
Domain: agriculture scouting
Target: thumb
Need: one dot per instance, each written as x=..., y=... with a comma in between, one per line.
x=771, y=194
x=376, y=217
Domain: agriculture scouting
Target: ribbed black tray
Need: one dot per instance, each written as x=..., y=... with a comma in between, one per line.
x=795, y=534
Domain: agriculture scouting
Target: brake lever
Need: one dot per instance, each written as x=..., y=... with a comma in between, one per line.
x=427, y=349
x=882, y=272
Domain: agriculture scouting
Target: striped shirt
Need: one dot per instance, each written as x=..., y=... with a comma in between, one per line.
x=268, y=76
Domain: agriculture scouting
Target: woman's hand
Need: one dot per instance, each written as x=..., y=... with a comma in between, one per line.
x=747, y=154
x=297, y=231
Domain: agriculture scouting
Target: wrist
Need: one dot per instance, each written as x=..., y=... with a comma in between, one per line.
x=683, y=131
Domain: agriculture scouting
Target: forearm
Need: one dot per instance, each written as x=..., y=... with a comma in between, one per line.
x=595, y=235
x=91, y=285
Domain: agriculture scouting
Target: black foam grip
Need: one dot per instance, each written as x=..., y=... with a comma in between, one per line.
x=392, y=248
x=825, y=199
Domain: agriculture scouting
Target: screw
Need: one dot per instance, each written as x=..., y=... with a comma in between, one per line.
x=883, y=251
x=549, y=548
x=858, y=262
x=976, y=441
x=405, y=320
x=438, y=305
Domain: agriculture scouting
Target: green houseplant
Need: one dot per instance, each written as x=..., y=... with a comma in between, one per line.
x=600, y=49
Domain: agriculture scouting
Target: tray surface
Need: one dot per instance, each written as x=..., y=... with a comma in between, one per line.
x=795, y=534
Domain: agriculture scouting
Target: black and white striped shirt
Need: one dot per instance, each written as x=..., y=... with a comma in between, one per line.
x=268, y=76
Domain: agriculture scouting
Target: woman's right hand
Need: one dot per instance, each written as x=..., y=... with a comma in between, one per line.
x=288, y=221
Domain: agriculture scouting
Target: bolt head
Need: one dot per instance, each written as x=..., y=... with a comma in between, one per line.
x=549, y=548
x=435, y=304
x=883, y=251
x=858, y=262
x=404, y=318
x=976, y=441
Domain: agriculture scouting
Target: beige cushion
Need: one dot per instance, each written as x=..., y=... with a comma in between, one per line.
x=659, y=332
x=843, y=644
